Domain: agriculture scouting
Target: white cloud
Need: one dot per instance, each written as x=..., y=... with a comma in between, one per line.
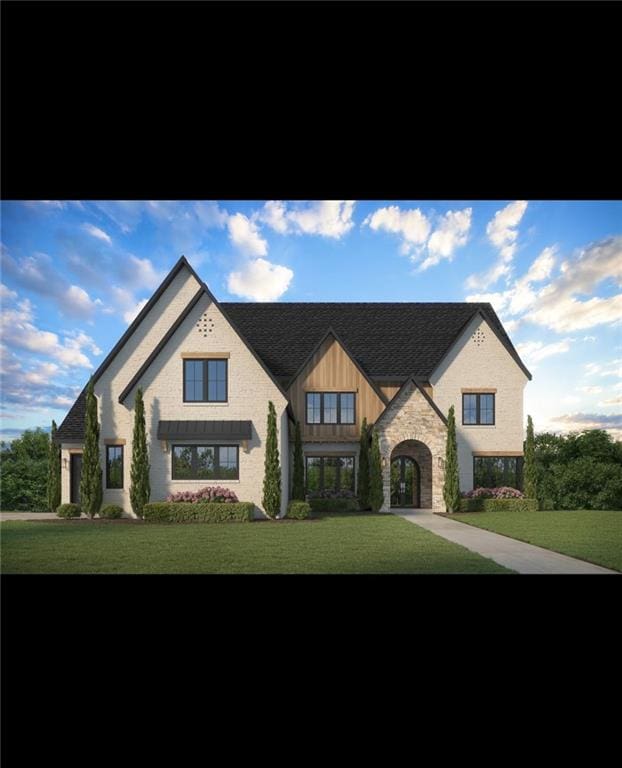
x=592, y=368
x=617, y=400
x=210, y=214
x=502, y=233
x=78, y=303
x=79, y=340
x=131, y=313
x=412, y=225
x=245, y=235
x=534, y=351
x=571, y=399
x=576, y=422
x=7, y=293
x=450, y=233
x=140, y=273
x=260, y=280
x=97, y=232
x=590, y=390
x=589, y=338
x=328, y=218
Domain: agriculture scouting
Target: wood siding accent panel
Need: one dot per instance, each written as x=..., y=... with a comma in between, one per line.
x=331, y=369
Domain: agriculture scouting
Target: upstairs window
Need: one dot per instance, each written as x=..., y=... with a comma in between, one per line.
x=205, y=381
x=331, y=408
x=478, y=408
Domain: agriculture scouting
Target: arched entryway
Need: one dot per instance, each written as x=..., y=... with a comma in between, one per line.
x=405, y=482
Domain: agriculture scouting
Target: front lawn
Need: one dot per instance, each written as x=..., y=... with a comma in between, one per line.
x=592, y=535
x=333, y=544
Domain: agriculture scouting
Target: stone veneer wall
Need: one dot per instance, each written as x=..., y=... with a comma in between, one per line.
x=411, y=417
x=421, y=454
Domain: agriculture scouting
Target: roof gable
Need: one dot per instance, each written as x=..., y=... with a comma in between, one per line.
x=417, y=385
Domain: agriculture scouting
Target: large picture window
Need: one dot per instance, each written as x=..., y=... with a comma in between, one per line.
x=478, y=408
x=334, y=473
x=205, y=462
x=114, y=466
x=331, y=408
x=205, y=381
x=498, y=471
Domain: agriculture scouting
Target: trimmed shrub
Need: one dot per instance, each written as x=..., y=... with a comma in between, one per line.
x=111, y=512
x=334, y=505
x=210, y=493
x=482, y=504
x=504, y=492
x=198, y=512
x=298, y=510
x=69, y=510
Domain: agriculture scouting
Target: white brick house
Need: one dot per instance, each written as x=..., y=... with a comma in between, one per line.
x=208, y=370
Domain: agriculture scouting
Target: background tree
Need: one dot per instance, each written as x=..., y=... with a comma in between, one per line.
x=529, y=471
x=91, y=477
x=53, y=483
x=23, y=479
x=298, y=474
x=451, y=487
x=140, y=487
x=271, y=498
x=363, y=476
x=376, y=490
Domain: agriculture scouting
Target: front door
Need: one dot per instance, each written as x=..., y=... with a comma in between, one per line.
x=74, y=477
x=404, y=482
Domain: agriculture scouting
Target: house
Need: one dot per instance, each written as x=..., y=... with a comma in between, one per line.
x=209, y=368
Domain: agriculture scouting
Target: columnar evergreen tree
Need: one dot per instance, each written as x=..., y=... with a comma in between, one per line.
x=529, y=470
x=451, y=487
x=140, y=488
x=91, y=477
x=53, y=484
x=376, y=490
x=271, y=498
x=363, y=476
x=298, y=474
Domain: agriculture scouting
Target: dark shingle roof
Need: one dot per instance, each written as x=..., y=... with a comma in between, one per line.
x=392, y=340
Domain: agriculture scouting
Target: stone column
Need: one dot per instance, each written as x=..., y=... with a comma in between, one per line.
x=385, y=458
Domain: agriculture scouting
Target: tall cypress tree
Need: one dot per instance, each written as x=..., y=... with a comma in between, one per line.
x=376, y=490
x=298, y=474
x=363, y=477
x=271, y=498
x=91, y=477
x=530, y=472
x=53, y=486
x=451, y=487
x=140, y=488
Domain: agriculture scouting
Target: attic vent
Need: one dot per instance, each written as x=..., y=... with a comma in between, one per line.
x=479, y=337
x=205, y=325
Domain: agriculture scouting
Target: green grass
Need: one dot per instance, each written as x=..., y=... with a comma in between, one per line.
x=332, y=544
x=592, y=535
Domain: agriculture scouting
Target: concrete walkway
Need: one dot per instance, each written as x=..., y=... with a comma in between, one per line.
x=517, y=555
x=28, y=516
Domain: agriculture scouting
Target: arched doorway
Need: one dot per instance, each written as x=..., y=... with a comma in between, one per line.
x=405, y=482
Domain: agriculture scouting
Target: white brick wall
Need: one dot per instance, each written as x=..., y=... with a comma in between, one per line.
x=488, y=364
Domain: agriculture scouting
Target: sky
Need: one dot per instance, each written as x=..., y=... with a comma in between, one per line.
x=75, y=273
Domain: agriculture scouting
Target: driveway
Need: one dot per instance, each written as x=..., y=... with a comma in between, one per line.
x=517, y=555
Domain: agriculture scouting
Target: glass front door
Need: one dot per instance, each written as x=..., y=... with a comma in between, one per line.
x=74, y=477
x=404, y=482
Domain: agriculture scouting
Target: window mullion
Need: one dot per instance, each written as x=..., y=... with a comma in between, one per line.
x=338, y=408
x=478, y=416
x=205, y=383
x=322, y=408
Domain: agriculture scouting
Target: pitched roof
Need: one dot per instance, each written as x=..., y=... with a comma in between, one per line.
x=385, y=339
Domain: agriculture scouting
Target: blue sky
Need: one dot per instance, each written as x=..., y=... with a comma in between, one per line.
x=75, y=273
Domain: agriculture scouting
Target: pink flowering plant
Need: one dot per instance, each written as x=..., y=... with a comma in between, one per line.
x=209, y=493
x=493, y=493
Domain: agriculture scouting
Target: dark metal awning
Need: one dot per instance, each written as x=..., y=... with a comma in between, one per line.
x=205, y=430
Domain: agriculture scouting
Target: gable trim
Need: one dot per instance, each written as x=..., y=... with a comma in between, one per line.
x=331, y=332
x=418, y=386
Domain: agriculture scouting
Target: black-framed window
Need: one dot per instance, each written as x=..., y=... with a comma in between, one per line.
x=334, y=473
x=205, y=381
x=205, y=462
x=478, y=408
x=114, y=466
x=498, y=471
x=331, y=408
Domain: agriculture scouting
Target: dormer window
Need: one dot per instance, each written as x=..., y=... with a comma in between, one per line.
x=205, y=381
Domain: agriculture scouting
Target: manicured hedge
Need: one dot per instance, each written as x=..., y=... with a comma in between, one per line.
x=298, y=510
x=198, y=512
x=111, y=512
x=69, y=510
x=498, y=505
x=334, y=505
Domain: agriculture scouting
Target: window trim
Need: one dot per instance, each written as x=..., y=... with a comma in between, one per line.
x=194, y=461
x=108, y=486
x=330, y=423
x=337, y=473
x=478, y=422
x=206, y=361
